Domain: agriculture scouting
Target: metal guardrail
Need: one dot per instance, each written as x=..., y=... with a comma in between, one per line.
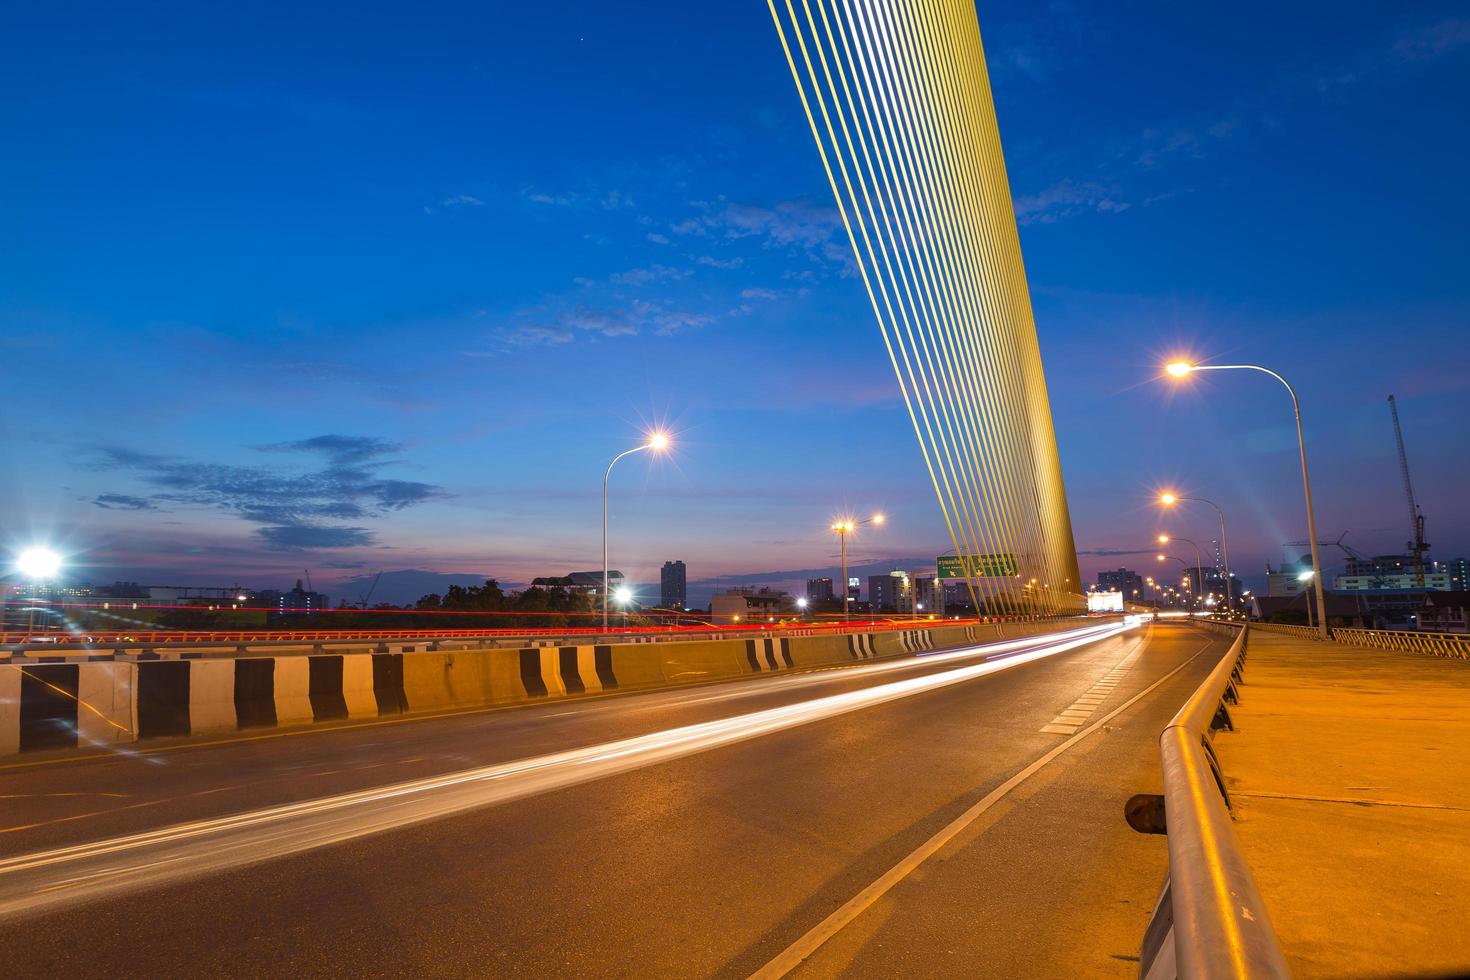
x=1455, y=645
x=1452, y=645
x=1210, y=922
x=1302, y=632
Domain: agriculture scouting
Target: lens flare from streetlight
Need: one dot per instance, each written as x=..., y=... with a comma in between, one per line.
x=1167, y=499
x=658, y=441
x=1178, y=369
x=38, y=563
x=623, y=595
x=879, y=518
x=1163, y=539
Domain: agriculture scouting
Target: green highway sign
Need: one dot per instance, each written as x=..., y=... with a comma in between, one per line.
x=978, y=566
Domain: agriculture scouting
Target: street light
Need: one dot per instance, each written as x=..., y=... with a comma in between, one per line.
x=1182, y=564
x=1199, y=567
x=1180, y=369
x=1305, y=578
x=37, y=564
x=1169, y=499
x=844, y=527
x=657, y=442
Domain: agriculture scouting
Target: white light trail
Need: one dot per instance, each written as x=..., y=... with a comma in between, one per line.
x=44, y=880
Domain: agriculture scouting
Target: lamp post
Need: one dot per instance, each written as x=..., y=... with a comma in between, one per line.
x=1182, y=563
x=844, y=527
x=1179, y=369
x=1199, y=567
x=37, y=565
x=658, y=442
x=1169, y=499
x=1306, y=579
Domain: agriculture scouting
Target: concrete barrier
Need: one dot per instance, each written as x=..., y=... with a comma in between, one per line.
x=80, y=703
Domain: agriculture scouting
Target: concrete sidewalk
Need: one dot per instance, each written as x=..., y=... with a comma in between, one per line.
x=1350, y=773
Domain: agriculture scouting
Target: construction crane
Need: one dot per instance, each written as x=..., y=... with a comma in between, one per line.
x=1418, y=545
x=363, y=599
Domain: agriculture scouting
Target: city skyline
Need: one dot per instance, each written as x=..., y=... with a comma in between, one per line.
x=335, y=354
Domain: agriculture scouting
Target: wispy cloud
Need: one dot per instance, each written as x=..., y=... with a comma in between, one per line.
x=734, y=262
x=122, y=501
x=1065, y=199
x=620, y=320
x=649, y=274
x=1434, y=41
x=796, y=225
x=455, y=201
x=296, y=510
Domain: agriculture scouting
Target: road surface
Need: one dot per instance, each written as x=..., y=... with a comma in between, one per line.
x=777, y=824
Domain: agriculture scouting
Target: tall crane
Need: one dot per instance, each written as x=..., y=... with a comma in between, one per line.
x=1418, y=545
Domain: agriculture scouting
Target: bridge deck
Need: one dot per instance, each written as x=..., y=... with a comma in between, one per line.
x=1351, y=781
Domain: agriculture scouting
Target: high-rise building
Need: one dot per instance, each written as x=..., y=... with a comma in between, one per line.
x=928, y=594
x=1124, y=580
x=1459, y=569
x=673, y=585
x=889, y=593
x=818, y=590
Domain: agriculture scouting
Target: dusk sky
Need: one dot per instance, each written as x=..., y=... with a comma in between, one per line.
x=356, y=287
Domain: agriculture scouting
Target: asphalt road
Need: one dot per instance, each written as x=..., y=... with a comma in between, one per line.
x=726, y=823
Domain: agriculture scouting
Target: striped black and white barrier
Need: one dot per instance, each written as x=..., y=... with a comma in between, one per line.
x=860, y=645
x=555, y=671
x=915, y=641
x=768, y=653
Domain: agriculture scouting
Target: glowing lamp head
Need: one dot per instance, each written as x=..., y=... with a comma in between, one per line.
x=658, y=441
x=1305, y=576
x=1159, y=557
x=623, y=595
x=1178, y=369
x=1167, y=499
x=879, y=518
x=801, y=603
x=38, y=563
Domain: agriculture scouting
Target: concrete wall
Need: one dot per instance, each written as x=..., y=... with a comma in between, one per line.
x=78, y=702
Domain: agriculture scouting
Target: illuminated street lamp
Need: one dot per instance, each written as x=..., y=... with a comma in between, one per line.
x=657, y=442
x=1180, y=369
x=37, y=565
x=1182, y=564
x=1306, y=579
x=844, y=527
x=1199, y=567
x=1169, y=499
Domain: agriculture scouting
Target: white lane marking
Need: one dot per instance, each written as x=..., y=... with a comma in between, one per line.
x=45, y=879
x=1068, y=720
x=792, y=957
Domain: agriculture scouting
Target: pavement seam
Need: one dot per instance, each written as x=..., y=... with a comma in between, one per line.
x=1074, y=717
x=795, y=954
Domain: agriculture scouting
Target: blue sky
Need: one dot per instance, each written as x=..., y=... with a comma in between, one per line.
x=353, y=287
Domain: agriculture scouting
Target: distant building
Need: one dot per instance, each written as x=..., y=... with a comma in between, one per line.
x=818, y=590
x=1392, y=572
x=1459, y=569
x=889, y=593
x=1434, y=581
x=749, y=605
x=1124, y=580
x=673, y=588
x=298, y=601
x=1445, y=612
x=854, y=588
x=1287, y=579
x=928, y=594
x=587, y=583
